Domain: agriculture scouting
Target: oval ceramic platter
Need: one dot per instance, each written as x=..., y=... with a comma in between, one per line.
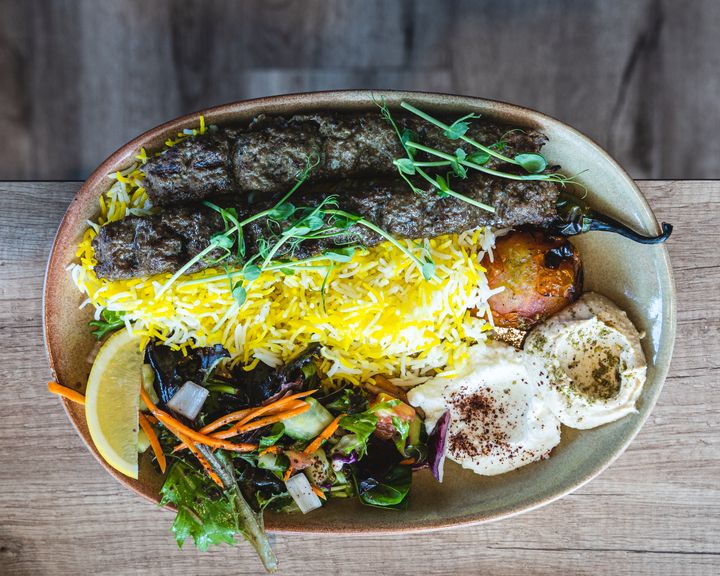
x=637, y=277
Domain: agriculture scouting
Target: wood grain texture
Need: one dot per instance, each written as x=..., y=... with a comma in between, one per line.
x=78, y=78
x=655, y=511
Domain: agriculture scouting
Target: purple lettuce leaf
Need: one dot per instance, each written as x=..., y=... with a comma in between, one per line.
x=339, y=460
x=437, y=446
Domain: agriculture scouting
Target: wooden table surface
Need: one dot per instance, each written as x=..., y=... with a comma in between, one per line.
x=655, y=511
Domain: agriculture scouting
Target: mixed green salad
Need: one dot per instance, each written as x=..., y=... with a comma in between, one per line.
x=301, y=442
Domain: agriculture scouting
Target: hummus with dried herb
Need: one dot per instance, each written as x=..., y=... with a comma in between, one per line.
x=589, y=362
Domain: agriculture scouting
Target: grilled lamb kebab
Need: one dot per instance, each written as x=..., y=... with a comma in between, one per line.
x=265, y=158
x=142, y=246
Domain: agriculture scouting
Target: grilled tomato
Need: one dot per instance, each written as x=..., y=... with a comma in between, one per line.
x=541, y=274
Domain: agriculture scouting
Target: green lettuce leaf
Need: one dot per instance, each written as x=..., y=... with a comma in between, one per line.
x=391, y=491
x=207, y=519
x=362, y=426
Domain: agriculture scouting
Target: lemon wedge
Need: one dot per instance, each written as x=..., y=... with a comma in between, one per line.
x=112, y=399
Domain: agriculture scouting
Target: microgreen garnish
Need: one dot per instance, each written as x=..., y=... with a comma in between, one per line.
x=307, y=224
x=288, y=226
x=325, y=221
x=217, y=241
x=457, y=129
x=459, y=134
x=324, y=284
x=224, y=240
x=315, y=223
x=250, y=272
x=476, y=157
x=111, y=321
x=229, y=216
x=236, y=289
x=409, y=166
x=340, y=254
x=424, y=264
x=552, y=177
x=239, y=293
x=533, y=163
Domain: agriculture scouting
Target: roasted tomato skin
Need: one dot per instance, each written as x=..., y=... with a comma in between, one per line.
x=541, y=274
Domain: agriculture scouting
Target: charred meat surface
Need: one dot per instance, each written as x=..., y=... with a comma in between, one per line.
x=265, y=158
x=395, y=208
x=193, y=169
x=268, y=157
x=142, y=246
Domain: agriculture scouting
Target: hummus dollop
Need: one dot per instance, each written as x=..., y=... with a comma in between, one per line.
x=588, y=361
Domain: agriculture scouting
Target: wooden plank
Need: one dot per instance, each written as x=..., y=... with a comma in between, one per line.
x=55, y=88
x=563, y=58
x=316, y=33
x=269, y=82
x=81, y=77
x=14, y=91
x=128, y=73
x=686, y=111
x=655, y=511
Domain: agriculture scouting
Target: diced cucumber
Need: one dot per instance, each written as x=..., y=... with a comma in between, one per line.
x=148, y=379
x=143, y=442
x=415, y=431
x=320, y=472
x=310, y=423
x=273, y=462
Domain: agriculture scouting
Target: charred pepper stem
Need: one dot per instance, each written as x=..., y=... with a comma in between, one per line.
x=575, y=218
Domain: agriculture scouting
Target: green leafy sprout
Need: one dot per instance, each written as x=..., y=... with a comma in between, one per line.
x=224, y=241
x=210, y=518
x=111, y=321
x=531, y=162
x=409, y=166
x=459, y=162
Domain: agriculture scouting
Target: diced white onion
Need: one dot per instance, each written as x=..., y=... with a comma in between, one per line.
x=189, y=400
x=299, y=488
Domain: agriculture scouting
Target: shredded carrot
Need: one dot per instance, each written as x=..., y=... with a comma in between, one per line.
x=324, y=435
x=260, y=422
x=227, y=419
x=150, y=418
x=176, y=427
x=181, y=431
x=288, y=473
x=269, y=407
x=235, y=431
x=205, y=464
x=66, y=392
x=407, y=461
x=270, y=450
x=154, y=442
x=276, y=407
x=319, y=492
x=244, y=416
x=288, y=406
